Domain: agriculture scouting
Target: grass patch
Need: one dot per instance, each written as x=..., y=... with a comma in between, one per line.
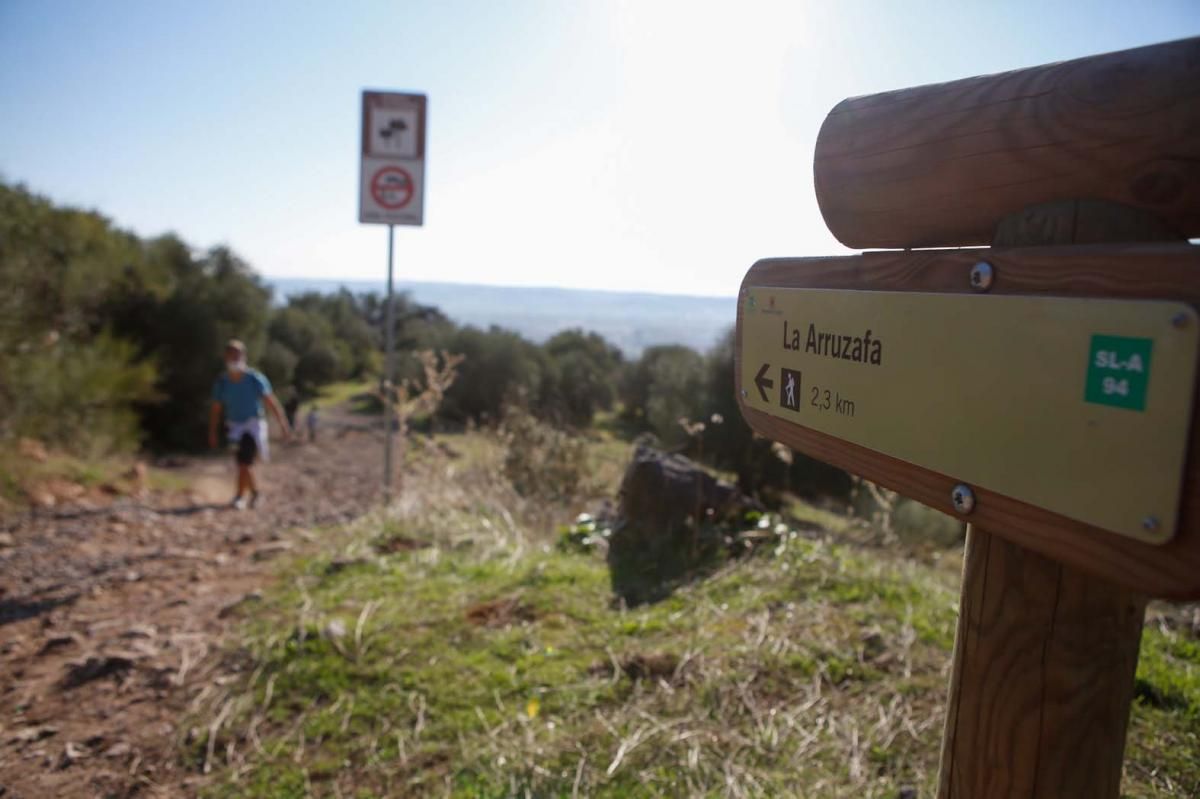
x=1163, y=748
x=357, y=395
x=417, y=696
x=807, y=513
x=476, y=660
x=19, y=474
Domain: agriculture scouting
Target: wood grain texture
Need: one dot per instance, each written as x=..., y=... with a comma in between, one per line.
x=939, y=165
x=1144, y=271
x=1044, y=665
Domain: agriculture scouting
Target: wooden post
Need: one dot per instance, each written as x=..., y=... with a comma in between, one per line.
x=1043, y=678
x=1045, y=654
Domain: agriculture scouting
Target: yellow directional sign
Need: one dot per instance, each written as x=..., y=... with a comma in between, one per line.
x=1078, y=406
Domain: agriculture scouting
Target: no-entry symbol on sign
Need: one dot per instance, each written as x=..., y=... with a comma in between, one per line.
x=392, y=187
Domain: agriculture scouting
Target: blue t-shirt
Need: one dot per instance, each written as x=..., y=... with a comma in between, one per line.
x=242, y=399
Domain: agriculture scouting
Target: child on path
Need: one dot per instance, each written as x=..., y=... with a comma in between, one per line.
x=312, y=422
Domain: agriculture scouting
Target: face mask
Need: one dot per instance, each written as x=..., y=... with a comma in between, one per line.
x=236, y=367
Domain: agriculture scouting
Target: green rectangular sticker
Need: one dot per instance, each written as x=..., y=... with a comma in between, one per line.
x=1119, y=371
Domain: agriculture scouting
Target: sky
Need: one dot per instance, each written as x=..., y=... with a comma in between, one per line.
x=636, y=146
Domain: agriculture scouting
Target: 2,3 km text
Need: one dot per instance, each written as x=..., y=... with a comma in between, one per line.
x=825, y=399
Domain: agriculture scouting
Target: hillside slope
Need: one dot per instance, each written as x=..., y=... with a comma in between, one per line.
x=448, y=648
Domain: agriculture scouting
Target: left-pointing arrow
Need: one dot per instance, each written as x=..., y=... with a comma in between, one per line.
x=762, y=382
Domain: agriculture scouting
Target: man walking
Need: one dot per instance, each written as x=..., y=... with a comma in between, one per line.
x=240, y=393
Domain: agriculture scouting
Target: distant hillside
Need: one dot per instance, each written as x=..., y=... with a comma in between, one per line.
x=631, y=321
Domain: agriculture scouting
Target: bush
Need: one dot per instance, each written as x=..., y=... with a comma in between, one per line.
x=298, y=329
x=583, y=371
x=76, y=395
x=102, y=293
x=540, y=461
x=665, y=385
x=315, y=368
x=212, y=299
x=278, y=363
x=500, y=368
x=344, y=325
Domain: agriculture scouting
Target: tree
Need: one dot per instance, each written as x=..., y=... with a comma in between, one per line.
x=278, y=363
x=344, y=325
x=65, y=375
x=500, y=367
x=213, y=299
x=315, y=368
x=298, y=329
x=583, y=371
x=665, y=385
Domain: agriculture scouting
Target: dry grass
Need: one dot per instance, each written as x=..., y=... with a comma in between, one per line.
x=811, y=669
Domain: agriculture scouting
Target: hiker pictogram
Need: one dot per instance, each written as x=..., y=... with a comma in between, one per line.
x=789, y=391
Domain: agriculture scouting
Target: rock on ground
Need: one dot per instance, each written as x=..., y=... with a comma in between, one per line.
x=669, y=524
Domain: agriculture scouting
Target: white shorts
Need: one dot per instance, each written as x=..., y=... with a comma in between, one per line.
x=257, y=428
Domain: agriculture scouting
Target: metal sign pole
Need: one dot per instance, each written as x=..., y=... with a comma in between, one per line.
x=388, y=377
x=391, y=191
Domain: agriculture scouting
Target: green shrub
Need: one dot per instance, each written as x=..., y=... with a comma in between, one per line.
x=211, y=299
x=316, y=367
x=76, y=395
x=583, y=372
x=500, y=368
x=278, y=363
x=665, y=385
x=540, y=461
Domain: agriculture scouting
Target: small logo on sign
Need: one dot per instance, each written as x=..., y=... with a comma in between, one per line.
x=1119, y=371
x=789, y=389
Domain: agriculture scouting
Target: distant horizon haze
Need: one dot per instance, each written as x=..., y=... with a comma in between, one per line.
x=630, y=320
x=380, y=285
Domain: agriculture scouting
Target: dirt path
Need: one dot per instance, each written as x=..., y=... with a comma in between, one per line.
x=111, y=617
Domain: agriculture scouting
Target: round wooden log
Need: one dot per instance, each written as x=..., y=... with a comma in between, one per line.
x=937, y=166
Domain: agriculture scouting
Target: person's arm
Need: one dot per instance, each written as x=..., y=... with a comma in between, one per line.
x=214, y=420
x=277, y=411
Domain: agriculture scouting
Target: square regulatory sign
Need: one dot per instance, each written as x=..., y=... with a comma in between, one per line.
x=391, y=192
x=392, y=159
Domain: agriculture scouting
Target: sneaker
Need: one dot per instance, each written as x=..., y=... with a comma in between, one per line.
x=239, y=503
x=253, y=498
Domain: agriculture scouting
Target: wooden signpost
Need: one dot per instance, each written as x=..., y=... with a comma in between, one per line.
x=1042, y=389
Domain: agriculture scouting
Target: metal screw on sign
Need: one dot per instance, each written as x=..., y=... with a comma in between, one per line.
x=963, y=498
x=982, y=276
x=1179, y=320
x=745, y=393
x=1150, y=524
